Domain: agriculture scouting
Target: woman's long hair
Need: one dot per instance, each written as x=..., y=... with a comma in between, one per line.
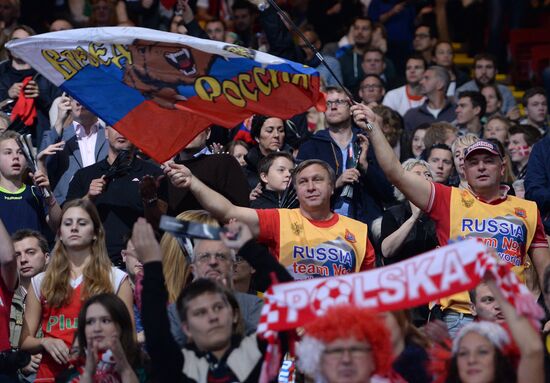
x=56, y=288
x=175, y=266
x=120, y=316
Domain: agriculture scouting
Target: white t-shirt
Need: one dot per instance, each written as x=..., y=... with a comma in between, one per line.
x=398, y=100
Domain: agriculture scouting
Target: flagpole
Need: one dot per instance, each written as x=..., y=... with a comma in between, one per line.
x=318, y=54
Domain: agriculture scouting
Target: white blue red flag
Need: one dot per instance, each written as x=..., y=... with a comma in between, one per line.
x=161, y=89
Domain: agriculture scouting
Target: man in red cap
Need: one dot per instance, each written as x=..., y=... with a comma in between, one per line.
x=510, y=225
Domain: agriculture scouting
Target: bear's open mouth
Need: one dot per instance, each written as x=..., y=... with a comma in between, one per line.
x=182, y=61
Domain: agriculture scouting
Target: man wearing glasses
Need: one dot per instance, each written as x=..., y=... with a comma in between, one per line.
x=372, y=89
x=212, y=259
x=424, y=41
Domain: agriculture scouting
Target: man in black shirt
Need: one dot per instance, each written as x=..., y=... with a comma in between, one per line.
x=116, y=192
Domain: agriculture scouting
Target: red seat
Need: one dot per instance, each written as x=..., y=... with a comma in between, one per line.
x=521, y=42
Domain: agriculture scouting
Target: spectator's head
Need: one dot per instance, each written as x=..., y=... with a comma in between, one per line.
x=199, y=142
x=275, y=170
x=12, y=161
x=212, y=332
x=522, y=139
x=373, y=62
x=468, y=364
x=440, y=133
x=392, y=123
x=117, y=142
x=60, y=25
x=313, y=38
x=20, y=32
x=417, y=141
x=497, y=127
x=484, y=69
x=133, y=265
x=435, y=80
x=10, y=10
x=4, y=122
x=470, y=107
x=372, y=89
x=418, y=167
x=238, y=149
x=314, y=181
x=415, y=67
x=103, y=13
x=346, y=344
x=178, y=254
x=535, y=102
x=443, y=54
x=32, y=252
x=484, y=167
x=458, y=147
x=425, y=38
x=269, y=133
x=103, y=317
x=338, y=105
x=493, y=98
x=211, y=259
x=244, y=15
x=243, y=275
x=361, y=32
x=484, y=305
x=81, y=114
x=215, y=29
x=440, y=158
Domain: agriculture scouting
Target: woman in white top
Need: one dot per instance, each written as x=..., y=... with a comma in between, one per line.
x=79, y=268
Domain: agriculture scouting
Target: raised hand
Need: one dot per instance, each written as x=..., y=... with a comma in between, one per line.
x=179, y=175
x=145, y=242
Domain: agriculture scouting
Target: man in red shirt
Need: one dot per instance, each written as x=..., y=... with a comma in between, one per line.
x=510, y=225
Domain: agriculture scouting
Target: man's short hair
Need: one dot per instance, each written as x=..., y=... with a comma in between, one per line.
x=377, y=50
x=428, y=152
x=195, y=289
x=242, y=4
x=417, y=56
x=432, y=30
x=532, y=92
x=485, y=56
x=21, y=234
x=307, y=163
x=380, y=80
x=266, y=162
x=477, y=100
x=355, y=19
x=442, y=74
x=437, y=133
x=22, y=27
x=530, y=133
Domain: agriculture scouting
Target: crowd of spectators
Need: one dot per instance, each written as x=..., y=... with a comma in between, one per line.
x=92, y=290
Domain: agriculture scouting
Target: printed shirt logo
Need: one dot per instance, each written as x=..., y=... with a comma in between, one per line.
x=466, y=199
x=349, y=236
x=296, y=228
x=508, y=235
x=520, y=212
x=327, y=259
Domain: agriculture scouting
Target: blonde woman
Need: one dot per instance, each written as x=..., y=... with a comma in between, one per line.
x=79, y=269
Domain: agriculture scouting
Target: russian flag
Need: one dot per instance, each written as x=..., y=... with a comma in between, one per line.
x=161, y=89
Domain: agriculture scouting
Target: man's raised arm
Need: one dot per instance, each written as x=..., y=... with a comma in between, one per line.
x=219, y=206
x=416, y=189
